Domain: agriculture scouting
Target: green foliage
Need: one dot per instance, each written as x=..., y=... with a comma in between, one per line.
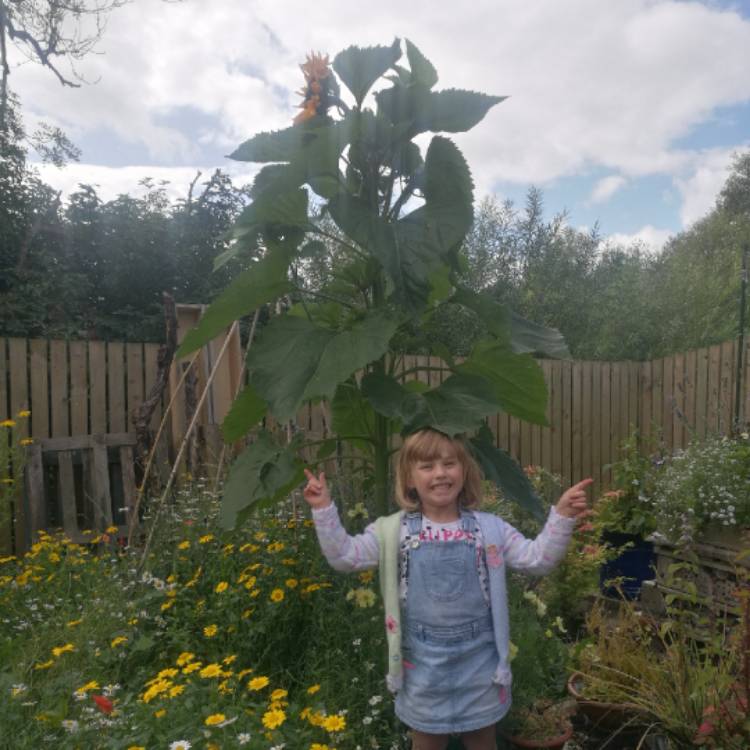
x=539, y=656
x=235, y=624
x=627, y=507
x=707, y=484
x=385, y=274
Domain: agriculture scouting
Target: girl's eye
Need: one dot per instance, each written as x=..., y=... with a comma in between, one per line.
x=424, y=466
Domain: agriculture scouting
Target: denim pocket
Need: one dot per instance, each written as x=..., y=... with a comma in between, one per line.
x=445, y=573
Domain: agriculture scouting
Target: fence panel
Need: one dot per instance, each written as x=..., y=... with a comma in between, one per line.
x=79, y=387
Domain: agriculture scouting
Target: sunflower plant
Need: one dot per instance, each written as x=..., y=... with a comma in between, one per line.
x=352, y=172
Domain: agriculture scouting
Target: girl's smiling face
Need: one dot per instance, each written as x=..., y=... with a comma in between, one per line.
x=438, y=482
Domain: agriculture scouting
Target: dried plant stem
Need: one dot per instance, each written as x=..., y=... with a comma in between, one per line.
x=184, y=443
x=133, y=520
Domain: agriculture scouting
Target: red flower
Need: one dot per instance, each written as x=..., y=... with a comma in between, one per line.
x=105, y=705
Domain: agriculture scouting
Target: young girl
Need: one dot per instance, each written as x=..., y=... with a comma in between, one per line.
x=442, y=577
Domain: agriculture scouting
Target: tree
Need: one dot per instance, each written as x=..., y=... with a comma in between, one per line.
x=53, y=33
x=398, y=266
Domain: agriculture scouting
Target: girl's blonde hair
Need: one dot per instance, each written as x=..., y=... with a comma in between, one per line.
x=426, y=445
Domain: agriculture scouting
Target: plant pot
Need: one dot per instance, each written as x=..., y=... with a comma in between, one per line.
x=634, y=565
x=551, y=742
x=603, y=714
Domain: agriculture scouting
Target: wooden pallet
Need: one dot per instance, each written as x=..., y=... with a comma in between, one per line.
x=78, y=484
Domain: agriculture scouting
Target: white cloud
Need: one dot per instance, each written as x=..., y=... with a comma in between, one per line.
x=703, y=182
x=606, y=188
x=650, y=236
x=591, y=84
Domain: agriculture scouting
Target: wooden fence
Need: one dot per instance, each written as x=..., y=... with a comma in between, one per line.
x=78, y=388
x=74, y=387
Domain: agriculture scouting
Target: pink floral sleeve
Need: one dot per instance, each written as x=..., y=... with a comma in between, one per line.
x=345, y=553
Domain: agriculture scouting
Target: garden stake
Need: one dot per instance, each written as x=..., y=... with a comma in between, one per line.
x=134, y=515
x=185, y=439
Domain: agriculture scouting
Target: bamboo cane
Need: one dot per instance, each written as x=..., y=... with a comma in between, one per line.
x=185, y=439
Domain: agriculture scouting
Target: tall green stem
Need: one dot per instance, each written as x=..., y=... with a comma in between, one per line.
x=381, y=423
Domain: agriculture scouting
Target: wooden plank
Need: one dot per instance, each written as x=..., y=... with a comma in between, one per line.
x=135, y=383
x=79, y=389
x=151, y=370
x=59, y=396
x=667, y=406
x=67, y=494
x=39, y=401
x=616, y=411
x=4, y=369
x=678, y=412
x=726, y=387
x=524, y=443
x=714, y=388
x=98, y=386
x=128, y=483
x=101, y=496
x=623, y=401
x=545, y=457
x=576, y=418
x=596, y=427
x=19, y=383
x=514, y=438
x=701, y=393
x=82, y=442
x=586, y=468
x=657, y=395
x=645, y=399
x=557, y=418
x=117, y=421
x=35, y=512
x=634, y=371
x=605, y=434
x=567, y=420
x=503, y=431
x=691, y=363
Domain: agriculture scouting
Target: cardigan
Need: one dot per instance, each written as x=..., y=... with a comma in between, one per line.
x=504, y=545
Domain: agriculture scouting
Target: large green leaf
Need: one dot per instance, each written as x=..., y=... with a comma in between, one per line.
x=422, y=70
x=287, y=209
x=458, y=405
x=246, y=411
x=359, y=68
x=502, y=469
x=311, y=152
x=517, y=379
x=352, y=415
x=454, y=111
x=276, y=146
x=265, y=281
x=263, y=473
x=422, y=110
x=294, y=360
x=537, y=339
x=448, y=193
x=493, y=315
x=408, y=262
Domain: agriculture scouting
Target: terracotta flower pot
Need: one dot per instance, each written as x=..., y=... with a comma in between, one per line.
x=603, y=714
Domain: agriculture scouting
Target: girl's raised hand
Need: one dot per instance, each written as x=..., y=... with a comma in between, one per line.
x=316, y=491
x=573, y=502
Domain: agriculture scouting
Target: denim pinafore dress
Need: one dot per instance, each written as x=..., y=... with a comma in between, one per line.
x=448, y=643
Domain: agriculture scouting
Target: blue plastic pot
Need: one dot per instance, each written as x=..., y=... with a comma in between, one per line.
x=634, y=565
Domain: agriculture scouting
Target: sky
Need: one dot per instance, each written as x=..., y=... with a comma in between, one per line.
x=624, y=113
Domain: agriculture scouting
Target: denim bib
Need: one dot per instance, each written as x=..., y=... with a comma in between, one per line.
x=448, y=644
